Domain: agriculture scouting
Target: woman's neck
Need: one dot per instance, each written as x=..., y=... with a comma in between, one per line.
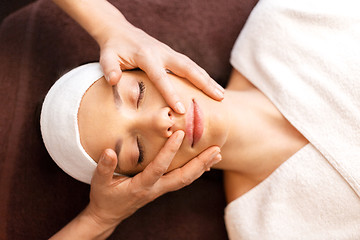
x=260, y=138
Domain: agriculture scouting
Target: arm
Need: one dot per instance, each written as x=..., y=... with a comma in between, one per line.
x=123, y=46
x=84, y=226
x=112, y=199
x=97, y=17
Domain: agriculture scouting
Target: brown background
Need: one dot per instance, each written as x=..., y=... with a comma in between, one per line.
x=38, y=44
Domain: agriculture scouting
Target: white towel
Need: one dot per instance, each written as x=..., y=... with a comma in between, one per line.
x=59, y=121
x=305, y=56
x=297, y=201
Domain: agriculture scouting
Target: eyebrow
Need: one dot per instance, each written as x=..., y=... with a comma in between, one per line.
x=117, y=98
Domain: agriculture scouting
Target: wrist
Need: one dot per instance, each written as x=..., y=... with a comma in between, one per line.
x=86, y=226
x=108, y=21
x=110, y=30
x=98, y=17
x=99, y=222
x=103, y=20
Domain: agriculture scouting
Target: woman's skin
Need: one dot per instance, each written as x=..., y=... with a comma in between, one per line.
x=253, y=135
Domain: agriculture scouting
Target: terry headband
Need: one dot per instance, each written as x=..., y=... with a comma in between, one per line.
x=59, y=121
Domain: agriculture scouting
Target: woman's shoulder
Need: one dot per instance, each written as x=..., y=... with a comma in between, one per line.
x=238, y=82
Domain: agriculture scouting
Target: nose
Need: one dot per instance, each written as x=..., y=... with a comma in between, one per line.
x=160, y=122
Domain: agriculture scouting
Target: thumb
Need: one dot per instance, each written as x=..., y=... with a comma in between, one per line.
x=110, y=66
x=105, y=168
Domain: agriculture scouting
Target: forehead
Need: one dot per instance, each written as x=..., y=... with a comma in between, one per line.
x=95, y=107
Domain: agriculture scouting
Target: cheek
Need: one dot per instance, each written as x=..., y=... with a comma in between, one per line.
x=181, y=158
x=152, y=147
x=152, y=100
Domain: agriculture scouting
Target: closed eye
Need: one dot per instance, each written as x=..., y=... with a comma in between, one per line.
x=141, y=93
x=141, y=152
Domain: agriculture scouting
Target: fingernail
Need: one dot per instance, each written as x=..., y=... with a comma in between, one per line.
x=179, y=138
x=111, y=75
x=213, y=158
x=215, y=152
x=218, y=93
x=180, y=107
x=220, y=88
x=105, y=159
x=217, y=159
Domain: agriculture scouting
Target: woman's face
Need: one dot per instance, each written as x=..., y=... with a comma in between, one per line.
x=133, y=119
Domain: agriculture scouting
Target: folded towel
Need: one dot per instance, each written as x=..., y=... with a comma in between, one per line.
x=59, y=121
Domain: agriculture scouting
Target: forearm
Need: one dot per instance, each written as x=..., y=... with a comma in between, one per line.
x=85, y=227
x=95, y=16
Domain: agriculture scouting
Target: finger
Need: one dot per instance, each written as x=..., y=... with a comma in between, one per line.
x=105, y=169
x=160, y=79
x=160, y=164
x=110, y=66
x=184, y=67
x=191, y=171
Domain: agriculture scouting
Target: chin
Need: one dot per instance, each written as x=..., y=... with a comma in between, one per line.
x=186, y=153
x=216, y=132
x=216, y=122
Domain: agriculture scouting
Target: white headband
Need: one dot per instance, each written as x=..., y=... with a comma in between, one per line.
x=59, y=121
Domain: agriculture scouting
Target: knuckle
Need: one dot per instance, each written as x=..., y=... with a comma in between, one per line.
x=159, y=170
x=167, y=48
x=105, y=54
x=194, y=73
x=184, y=61
x=205, y=165
x=185, y=181
x=103, y=62
x=204, y=73
x=144, y=51
x=172, y=54
x=101, y=170
x=139, y=193
x=159, y=77
x=191, y=68
x=184, y=57
x=190, y=64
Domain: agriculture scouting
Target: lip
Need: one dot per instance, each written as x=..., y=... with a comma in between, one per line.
x=194, y=123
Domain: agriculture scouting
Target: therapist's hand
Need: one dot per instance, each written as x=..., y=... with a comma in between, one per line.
x=123, y=46
x=128, y=47
x=112, y=199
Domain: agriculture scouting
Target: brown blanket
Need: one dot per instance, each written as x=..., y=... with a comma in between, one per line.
x=38, y=44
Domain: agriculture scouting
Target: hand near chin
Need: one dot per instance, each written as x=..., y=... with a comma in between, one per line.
x=112, y=199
